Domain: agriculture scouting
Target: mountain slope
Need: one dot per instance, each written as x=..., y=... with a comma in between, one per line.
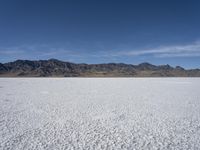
x=56, y=68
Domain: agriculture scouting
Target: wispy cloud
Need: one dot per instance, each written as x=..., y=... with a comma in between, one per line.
x=44, y=51
x=190, y=50
x=47, y=51
x=10, y=52
x=26, y=50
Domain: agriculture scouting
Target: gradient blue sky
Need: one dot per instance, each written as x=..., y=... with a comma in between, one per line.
x=91, y=31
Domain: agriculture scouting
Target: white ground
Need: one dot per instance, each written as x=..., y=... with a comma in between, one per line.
x=99, y=113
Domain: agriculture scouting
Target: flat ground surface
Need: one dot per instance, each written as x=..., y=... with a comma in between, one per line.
x=99, y=113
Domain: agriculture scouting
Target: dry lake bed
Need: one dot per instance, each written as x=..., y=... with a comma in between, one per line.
x=99, y=113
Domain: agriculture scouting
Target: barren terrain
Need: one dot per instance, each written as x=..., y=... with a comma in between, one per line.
x=99, y=113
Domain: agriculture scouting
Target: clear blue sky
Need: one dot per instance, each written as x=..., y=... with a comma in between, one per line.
x=91, y=31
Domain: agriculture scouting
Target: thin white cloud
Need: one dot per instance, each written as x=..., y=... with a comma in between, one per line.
x=10, y=52
x=54, y=52
x=190, y=50
x=45, y=51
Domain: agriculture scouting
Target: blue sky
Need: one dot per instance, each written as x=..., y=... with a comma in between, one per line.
x=91, y=31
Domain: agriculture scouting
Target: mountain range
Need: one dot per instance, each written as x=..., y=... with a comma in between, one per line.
x=57, y=68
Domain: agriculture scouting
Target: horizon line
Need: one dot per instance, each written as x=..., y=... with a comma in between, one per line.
x=144, y=62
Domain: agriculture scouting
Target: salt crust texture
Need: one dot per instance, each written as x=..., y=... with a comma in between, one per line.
x=99, y=113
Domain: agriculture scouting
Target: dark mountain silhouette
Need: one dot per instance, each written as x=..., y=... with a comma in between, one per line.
x=57, y=68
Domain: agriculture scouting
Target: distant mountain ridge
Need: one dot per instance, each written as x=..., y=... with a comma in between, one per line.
x=57, y=68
